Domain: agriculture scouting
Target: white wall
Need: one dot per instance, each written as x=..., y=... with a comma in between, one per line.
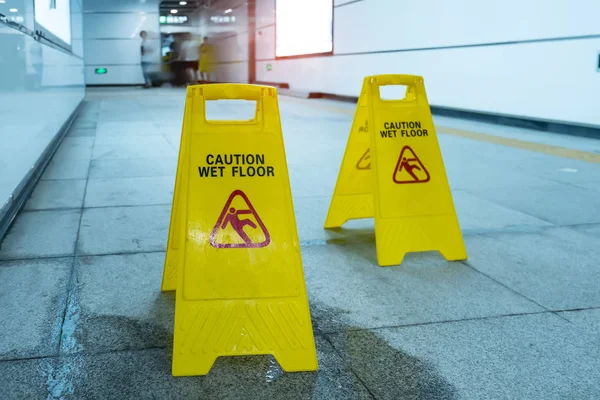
x=111, y=39
x=527, y=58
x=40, y=87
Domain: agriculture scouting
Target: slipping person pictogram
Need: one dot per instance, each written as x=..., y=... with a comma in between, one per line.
x=237, y=219
x=238, y=224
x=408, y=163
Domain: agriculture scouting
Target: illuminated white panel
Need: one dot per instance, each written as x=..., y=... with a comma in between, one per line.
x=55, y=17
x=303, y=27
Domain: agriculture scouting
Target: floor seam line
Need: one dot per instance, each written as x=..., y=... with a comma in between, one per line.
x=71, y=283
x=449, y=321
x=349, y=365
x=465, y=262
x=468, y=191
x=95, y=207
x=77, y=255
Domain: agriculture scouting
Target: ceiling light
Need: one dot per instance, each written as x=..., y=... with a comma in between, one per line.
x=228, y=11
x=174, y=11
x=13, y=10
x=183, y=3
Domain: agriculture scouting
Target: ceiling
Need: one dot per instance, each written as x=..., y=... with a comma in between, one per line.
x=167, y=5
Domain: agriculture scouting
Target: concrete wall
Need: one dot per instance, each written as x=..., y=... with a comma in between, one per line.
x=40, y=87
x=525, y=58
x=112, y=41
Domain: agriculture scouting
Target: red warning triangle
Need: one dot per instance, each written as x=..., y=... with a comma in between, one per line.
x=409, y=168
x=239, y=225
x=365, y=161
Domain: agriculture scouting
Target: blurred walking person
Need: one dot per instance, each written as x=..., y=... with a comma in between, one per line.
x=206, y=60
x=146, y=58
x=176, y=62
x=190, y=58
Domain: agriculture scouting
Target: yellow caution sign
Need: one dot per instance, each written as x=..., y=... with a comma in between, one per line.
x=169, y=281
x=411, y=198
x=353, y=194
x=240, y=283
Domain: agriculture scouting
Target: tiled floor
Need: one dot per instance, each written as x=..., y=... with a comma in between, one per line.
x=82, y=315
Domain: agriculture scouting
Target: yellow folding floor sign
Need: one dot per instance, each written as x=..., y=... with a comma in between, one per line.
x=169, y=281
x=240, y=282
x=412, y=202
x=353, y=194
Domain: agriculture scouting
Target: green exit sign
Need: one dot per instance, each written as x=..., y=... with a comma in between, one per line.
x=101, y=71
x=269, y=67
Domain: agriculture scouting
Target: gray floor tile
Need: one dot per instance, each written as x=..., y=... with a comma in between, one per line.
x=347, y=289
x=66, y=169
x=41, y=234
x=129, y=191
x=557, y=203
x=311, y=180
x=117, y=304
x=127, y=128
x=593, y=229
x=588, y=320
x=595, y=186
x=33, y=296
x=133, y=168
x=130, y=140
x=88, y=116
x=114, y=106
x=158, y=148
x=81, y=132
x=480, y=173
x=525, y=357
x=557, y=268
x=310, y=216
x=147, y=374
x=170, y=123
x=478, y=215
x=29, y=379
x=172, y=115
x=57, y=194
x=173, y=131
x=327, y=153
x=85, y=123
x=174, y=105
x=74, y=148
x=568, y=171
x=124, y=230
x=125, y=116
x=174, y=140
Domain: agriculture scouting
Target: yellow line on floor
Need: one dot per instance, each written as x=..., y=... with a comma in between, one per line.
x=524, y=145
x=558, y=151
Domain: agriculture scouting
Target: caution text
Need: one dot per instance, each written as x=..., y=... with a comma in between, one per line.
x=403, y=129
x=235, y=165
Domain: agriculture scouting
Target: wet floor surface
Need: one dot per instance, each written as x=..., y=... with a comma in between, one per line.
x=83, y=316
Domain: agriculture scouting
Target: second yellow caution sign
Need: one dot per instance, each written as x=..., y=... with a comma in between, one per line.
x=412, y=202
x=353, y=195
x=240, y=282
